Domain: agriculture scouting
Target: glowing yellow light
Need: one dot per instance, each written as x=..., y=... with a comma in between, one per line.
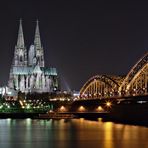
x=81, y=108
x=99, y=119
x=62, y=109
x=108, y=104
x=99, y=108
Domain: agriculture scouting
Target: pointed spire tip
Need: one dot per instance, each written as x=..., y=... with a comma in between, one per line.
x=20, y=20
x=37, y=40
x=20, y=40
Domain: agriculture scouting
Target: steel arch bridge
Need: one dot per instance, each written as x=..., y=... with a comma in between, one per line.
x=136, y=81
x=101, y=86
x=105, y=86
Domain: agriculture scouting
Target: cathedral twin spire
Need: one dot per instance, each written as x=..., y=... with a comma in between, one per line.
x=35, y=54
x=20, y=39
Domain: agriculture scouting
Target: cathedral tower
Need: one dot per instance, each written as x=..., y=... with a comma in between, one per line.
x=38, y=47
x=20, y=54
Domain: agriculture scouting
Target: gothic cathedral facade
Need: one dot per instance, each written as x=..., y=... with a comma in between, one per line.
x=28, y=72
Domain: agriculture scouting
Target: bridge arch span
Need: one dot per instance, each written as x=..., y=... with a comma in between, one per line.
x=100, y=86
x=136, y=81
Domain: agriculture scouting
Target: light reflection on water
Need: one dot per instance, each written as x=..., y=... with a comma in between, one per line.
x=78, y=133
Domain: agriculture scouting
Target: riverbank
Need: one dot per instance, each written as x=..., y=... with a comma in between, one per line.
x=18, y=115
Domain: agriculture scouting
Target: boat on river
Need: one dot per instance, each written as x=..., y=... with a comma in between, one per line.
x=55, y=115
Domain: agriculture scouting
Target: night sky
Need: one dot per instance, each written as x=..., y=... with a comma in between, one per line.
x=80, y=38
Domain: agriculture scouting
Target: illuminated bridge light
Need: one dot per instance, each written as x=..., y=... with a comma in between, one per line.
x=100, y=109
x=108, y=104
x=81, y=109
x=62, y=109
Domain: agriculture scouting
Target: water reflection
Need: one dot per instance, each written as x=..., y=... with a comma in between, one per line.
x=108, y=135
x=76, y=133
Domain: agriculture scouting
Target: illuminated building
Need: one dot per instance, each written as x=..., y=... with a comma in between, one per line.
x=28, y=72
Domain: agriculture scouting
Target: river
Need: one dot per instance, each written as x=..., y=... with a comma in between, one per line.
x=75, y=133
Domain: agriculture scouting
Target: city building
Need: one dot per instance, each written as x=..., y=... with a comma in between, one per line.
x=28, y=72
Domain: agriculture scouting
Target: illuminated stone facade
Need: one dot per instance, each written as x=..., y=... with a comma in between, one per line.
x=28, y=72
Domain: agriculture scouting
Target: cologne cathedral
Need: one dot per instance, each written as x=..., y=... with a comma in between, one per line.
x=28, y=72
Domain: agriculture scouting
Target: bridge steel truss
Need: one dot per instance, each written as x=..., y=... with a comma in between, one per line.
x=105, y=86
x=99, y=86
x=136, y=81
